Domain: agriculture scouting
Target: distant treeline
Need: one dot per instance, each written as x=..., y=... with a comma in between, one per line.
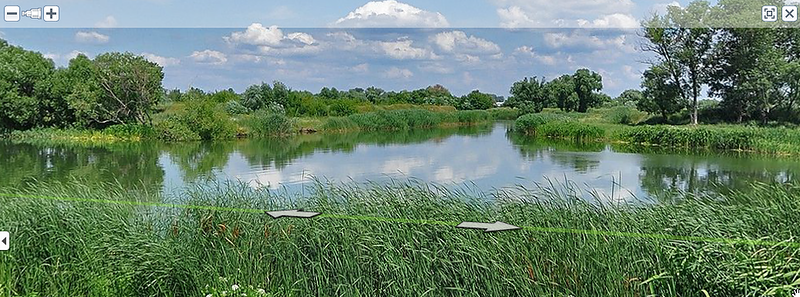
x=123, y=88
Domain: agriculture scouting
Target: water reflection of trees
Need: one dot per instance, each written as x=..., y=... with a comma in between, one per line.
x=196, y=159
x=704, y=174
x=566, y=153
x=137, y=163
x=662, y=170
x=130, y=164
x=280, y=152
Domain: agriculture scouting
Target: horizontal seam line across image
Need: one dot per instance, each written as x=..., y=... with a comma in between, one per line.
x=422, y=221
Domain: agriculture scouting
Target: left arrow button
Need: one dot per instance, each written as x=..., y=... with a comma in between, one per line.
x=5, y=241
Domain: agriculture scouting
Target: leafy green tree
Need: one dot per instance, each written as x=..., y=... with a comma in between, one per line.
x=358, y=94
x=329, y=93
x=629, y=97
x=418, y=96
x=22, y=75
x=438, y=90
x=586, y=84
x=374, y=94
x=224, y=96
x=529, y=93
x=173, y=95
x=682, y=41
x=398, y=97
x=747, y=72
x=562, y=93
x=131, y=86
x=660, y=94
x=475, y=100
x=82, y=91
x=261, y=96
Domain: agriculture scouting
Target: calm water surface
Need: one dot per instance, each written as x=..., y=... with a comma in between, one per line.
x=486, y=158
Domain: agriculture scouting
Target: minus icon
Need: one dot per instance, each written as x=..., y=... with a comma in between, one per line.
x=11, y=13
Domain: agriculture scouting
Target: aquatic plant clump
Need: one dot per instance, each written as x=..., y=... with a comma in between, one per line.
x=556, y=126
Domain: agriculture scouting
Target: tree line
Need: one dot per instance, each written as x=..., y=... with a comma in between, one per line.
x=123, y=88
x=577, y=92
x=754, y=72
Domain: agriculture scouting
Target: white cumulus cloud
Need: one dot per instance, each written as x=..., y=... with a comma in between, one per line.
x=405, y=50
x=272, y=40
x=91, y=37
x=563, y=13
x=360, y=68
x=107, y=22
x=459, y=42
x=209, y=57
x=527, y=51
x=160, y=60
x=257, y=34
x=514, y=17
x=395, y=73
x=391, y=13
x=617, y=20
x=661, y=8
x=583, y=40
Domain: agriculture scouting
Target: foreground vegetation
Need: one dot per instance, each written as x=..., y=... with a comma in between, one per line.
x=96, y=249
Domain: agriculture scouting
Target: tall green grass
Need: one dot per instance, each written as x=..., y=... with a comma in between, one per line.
x=404, y=119
x=128, y=132
x=95, y=249
x=740, y=138
x=556, y=126
x=504, y=113
x=263, y=123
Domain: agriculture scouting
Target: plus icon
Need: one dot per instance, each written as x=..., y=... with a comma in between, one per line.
x=51, y=13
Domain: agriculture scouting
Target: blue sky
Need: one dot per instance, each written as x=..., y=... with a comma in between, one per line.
x=463, y=45
x=326, y=13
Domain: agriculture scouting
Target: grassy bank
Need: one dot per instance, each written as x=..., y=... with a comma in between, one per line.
x=195, y=126
x=609, y=126
x=96, y=249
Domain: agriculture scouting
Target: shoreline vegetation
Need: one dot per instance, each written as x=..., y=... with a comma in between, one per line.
x=603, y=125
x=274, y=124
x=783, y=141
x=69, y=248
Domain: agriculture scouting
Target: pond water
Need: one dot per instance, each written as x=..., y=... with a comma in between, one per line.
x=483, y=158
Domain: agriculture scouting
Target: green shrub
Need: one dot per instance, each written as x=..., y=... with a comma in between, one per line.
x=421, y=118
x=528, y=123
x=342, y=107
x=235, y=107
x=556, y=126
x=380, y=120
x=264, y=123
x=339, y=124
x=692, y=137
x=570, y=129
x=473, y=116
x=174, y=129
x=312, y=107
x=201, y=119
x=208, y=121
x=404, y=119
x=504, y=113
x=130, y=131
x=624, y=115
x=274, y=107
